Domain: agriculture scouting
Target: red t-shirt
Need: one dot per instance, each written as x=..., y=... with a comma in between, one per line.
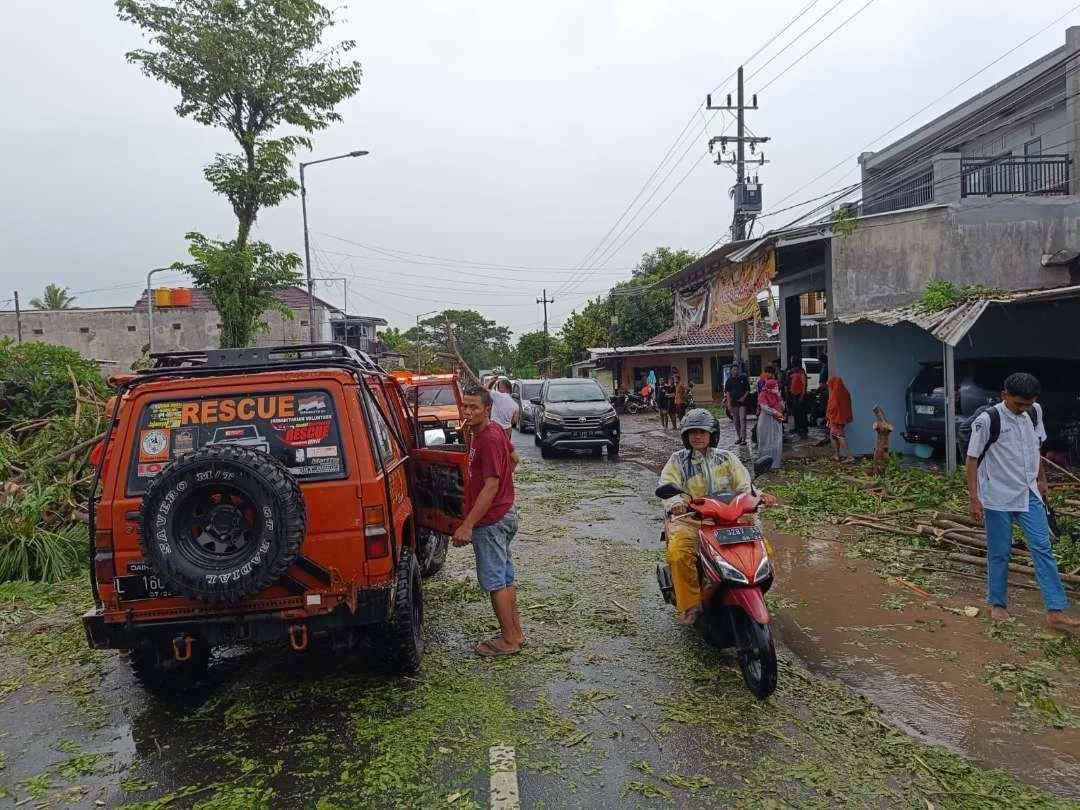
x=489, y=457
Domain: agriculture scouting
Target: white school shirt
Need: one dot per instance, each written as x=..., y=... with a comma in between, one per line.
x=1011, y=467
x=503, y=408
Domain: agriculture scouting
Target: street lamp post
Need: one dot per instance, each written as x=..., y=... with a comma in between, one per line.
x=307, y=243
x=418, y=334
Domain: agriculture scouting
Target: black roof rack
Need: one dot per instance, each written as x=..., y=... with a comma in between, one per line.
x=216, y=362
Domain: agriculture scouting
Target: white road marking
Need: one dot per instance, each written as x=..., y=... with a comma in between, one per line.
x=504, y=781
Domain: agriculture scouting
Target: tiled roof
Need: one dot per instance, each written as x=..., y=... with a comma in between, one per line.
x=294, y=298
x=718, y=336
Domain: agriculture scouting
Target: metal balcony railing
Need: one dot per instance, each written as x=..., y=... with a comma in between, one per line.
x=908, y=193
x=1042, y=175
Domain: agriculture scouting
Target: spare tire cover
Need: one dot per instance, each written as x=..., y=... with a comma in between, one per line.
x=222, y=523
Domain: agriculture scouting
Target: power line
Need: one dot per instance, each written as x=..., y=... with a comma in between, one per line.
x=825, y=39
x=921, y=110
x=565, y=288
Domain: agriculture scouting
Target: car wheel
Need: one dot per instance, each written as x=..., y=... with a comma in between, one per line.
x=403, y=636
x=613, y=450
x=536, y=437
x=222, y=523
x=433, y=548
x=546, y=452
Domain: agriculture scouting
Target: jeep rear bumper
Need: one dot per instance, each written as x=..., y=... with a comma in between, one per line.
x=373, y=607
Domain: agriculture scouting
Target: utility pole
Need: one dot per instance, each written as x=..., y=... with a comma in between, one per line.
x=547, y=350
x=18, y=318
x=747, y=196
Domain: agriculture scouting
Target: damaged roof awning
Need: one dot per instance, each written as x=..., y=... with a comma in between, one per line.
x=951, y=325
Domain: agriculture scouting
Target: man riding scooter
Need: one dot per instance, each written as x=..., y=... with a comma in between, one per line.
x=698, y=470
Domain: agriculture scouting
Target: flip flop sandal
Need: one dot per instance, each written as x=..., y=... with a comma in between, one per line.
x=488, y=650
x=491, y=641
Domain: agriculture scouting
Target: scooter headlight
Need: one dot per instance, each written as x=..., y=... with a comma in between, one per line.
x=764, y=569
x=727, y=570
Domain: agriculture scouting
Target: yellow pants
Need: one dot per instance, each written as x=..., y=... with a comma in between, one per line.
x=682, y=551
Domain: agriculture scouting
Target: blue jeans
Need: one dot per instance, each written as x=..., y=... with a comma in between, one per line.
x=999, y=543
x=491, y=545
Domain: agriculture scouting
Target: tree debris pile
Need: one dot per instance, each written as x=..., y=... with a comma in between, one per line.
x=923, y=516
x=52, y=412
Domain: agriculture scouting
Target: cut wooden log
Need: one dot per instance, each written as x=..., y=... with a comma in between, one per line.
x=1020, y=569
x=956, y=517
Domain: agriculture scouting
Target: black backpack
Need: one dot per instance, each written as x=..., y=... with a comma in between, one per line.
x=963, y=434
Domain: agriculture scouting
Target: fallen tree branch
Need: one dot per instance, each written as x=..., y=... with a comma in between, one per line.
x=1061, y=469
x=82, y=447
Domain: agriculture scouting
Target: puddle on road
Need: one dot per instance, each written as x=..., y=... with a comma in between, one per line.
x=923, y=666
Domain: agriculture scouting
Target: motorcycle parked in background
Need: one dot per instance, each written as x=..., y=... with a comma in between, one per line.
x=636, y=403
x=736, y=572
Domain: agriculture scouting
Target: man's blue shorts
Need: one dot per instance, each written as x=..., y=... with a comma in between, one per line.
x=491, y=544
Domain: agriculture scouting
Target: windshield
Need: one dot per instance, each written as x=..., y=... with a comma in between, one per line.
x=435, y=395
x=530, y=390
x=575, y=393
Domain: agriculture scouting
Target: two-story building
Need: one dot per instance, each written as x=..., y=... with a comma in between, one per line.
x=984, y=196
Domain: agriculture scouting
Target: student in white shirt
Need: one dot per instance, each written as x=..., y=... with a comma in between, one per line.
x=1007, y=483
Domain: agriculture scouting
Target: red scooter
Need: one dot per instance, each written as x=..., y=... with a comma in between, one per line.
x=736, y=572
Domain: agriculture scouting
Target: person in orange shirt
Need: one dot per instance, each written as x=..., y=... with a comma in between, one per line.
x=680, y=400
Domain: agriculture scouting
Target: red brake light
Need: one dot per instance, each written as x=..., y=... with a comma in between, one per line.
x=104, y=567
x=376, y=536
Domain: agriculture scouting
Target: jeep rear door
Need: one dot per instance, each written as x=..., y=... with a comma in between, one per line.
x=439, y=474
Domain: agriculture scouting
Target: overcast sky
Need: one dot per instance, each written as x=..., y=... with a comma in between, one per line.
x=502, y=133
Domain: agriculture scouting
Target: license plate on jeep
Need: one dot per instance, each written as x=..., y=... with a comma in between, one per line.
x=588, y=434
x=140, y=586
x=738, y=534
x=925, y=410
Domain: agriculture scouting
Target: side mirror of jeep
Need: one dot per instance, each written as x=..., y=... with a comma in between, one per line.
x=535, y=400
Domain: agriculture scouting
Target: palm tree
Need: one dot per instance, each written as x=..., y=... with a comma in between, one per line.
x=55, y=298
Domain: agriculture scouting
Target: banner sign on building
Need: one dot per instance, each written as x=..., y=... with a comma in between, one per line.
x=692, y=306
x=735, y=289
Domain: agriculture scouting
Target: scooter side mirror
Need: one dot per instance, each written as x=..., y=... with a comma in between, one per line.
x=668, y=491
x=762, y=466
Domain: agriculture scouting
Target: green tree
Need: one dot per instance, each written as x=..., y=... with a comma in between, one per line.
x=241, y=281
x=248, y=67
x=54, y=297
x=530, y=351
x=482, y=342
x=642, y=308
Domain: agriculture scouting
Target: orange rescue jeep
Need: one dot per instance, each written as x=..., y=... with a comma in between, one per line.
x=249, y=495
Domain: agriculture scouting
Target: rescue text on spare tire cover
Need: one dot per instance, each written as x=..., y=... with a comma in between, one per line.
x=299, y=429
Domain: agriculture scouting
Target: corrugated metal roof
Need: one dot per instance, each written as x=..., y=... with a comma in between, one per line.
x=951, y=325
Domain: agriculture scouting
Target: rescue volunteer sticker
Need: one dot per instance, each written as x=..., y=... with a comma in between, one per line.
x=153, y=445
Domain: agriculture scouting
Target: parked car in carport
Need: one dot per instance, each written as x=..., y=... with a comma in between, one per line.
x=979, y=382
x=523, y=391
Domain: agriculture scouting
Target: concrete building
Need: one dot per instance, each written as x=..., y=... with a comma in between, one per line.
x=117, y=336
x=699, y=356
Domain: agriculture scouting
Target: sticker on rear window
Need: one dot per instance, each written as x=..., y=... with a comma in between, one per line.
x=300, y=429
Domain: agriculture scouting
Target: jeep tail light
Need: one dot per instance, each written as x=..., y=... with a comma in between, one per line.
x=104, y=567
x=376, y=535
x=103, y=540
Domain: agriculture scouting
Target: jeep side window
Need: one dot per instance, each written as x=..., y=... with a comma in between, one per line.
x=382, y=444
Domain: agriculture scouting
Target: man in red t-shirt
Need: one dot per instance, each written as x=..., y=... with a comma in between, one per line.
x=491, y=519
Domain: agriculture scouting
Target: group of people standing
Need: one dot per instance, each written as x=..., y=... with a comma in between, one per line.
x=783, y=394
x=671, y=401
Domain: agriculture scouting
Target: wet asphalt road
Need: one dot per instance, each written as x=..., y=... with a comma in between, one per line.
x=612, y=705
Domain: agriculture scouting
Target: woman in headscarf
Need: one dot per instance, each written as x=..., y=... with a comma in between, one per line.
x=839, y=416
x=770, y=420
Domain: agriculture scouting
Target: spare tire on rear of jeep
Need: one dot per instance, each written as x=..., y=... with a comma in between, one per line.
x=222, y=523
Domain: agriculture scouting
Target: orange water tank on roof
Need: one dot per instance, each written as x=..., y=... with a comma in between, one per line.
x=181, y=297
x=162, y=297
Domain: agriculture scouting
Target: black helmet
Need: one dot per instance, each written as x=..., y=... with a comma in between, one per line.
x=699, y=419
